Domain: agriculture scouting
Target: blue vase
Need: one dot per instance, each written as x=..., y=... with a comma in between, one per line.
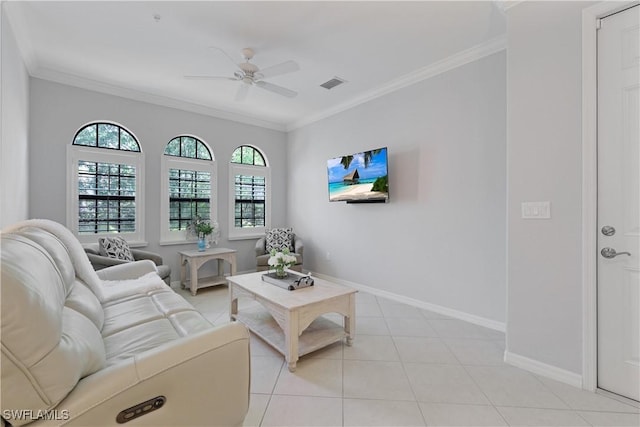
x=202, y=245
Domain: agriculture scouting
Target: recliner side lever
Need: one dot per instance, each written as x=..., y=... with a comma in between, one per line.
x=140, y=409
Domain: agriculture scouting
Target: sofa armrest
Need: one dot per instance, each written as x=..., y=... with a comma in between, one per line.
x=127, y=270
x=204, y=377
x=139, y=254
x=99, y=262
x=260, y=246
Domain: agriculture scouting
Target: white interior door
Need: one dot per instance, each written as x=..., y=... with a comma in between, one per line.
x=619, y=203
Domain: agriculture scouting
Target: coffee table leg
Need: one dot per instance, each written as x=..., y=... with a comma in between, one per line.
x=350, y=321
x=233, y=304
x=291, y=340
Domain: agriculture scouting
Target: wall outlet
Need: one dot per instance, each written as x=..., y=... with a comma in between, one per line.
x=536, y=210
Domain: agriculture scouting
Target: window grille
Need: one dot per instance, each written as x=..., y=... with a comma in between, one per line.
x=250, y=190
x=250, y=201
x=188, y=186
x=106, y=135
x=189, y=196
x=105, y=173
x=106, y=197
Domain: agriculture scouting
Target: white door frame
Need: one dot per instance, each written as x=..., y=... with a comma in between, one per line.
x=590, y=17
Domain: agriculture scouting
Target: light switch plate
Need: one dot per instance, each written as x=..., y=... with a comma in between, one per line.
x=536, y=210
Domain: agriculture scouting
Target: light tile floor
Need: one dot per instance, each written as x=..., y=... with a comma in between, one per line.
x=409, y=367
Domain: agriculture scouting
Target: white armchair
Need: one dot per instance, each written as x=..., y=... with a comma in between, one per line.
x=262, y=254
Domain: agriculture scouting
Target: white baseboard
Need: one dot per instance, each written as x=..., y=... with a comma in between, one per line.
x=543, y=369
x=471, y=318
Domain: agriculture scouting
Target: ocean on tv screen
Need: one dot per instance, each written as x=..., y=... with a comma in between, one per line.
x=364, y=177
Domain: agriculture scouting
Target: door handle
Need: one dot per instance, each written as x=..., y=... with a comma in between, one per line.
x=611, y=253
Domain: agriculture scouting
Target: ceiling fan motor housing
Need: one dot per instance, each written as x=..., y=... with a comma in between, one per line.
x=248, y=68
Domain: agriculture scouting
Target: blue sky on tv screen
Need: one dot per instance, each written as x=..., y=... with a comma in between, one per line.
x=377, y=167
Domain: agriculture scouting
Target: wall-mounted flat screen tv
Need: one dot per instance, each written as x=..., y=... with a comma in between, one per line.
x=359, y=177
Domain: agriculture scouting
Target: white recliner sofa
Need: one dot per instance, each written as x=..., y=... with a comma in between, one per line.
x=81, y=348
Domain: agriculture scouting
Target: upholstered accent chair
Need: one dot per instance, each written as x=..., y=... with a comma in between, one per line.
x=279, y=238
x=100, y=260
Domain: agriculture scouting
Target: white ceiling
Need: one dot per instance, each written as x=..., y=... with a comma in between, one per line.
x=119, y=47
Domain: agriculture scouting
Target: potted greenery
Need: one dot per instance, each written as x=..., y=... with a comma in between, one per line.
x=202, y=229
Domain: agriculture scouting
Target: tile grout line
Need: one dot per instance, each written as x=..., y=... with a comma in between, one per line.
x=404, y=369
x=475, y=382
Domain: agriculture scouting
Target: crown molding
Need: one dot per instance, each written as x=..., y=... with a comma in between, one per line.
x=508, y=4
x=26, y=49
x=454, y=61
x=18, y=25
x=161, y=100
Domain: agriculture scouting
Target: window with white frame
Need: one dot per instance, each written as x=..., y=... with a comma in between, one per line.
x=249, y=205
x=105, y=183
x=188, y=187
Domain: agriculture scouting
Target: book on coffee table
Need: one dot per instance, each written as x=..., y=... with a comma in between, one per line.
x=291, y=282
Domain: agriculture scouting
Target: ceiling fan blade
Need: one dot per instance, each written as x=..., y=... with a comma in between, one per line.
x=242, y=92
x=276, y=70
x=209, y=78
x=225, y=54
x=277, y=89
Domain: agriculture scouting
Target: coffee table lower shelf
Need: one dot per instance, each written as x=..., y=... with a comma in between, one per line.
x=320, y=333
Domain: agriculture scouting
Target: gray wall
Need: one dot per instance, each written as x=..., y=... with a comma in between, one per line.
x=544, y=316
x=14, y=125
x=441, y=238
x=58, y=111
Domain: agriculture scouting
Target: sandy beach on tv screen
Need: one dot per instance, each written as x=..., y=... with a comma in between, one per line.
x=358, y=192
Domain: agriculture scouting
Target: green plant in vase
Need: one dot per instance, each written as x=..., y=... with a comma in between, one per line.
x=201, y=228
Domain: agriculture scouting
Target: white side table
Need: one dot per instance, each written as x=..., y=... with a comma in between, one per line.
x=196, y=259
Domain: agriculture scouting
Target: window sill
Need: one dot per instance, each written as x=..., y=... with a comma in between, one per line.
x=246, y=236
x=138, y=244
x=177, y=242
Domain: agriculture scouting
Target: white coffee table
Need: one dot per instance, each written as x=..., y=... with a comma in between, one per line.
x=290, y=321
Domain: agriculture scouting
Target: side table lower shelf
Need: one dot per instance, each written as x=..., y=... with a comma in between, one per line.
x=204, y=282
x=320, y=333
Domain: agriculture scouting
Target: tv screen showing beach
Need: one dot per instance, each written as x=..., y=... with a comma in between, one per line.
x=360, y=177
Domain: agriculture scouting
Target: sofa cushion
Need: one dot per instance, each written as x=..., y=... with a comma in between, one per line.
x=115, y=247
x=82, y=300
x=129, y=313
x=57, y=251
x=129, y=342
x=279, y=239
x=46, y=346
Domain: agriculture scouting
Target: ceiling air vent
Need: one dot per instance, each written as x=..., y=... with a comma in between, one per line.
x=330, y=84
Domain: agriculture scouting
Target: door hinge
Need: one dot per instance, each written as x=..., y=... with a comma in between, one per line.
x=598, y=23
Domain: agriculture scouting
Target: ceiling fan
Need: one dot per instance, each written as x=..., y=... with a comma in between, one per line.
x=250, y=75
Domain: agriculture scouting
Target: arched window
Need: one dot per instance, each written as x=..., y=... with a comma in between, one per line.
x=250, y=180
x=248, y=155
x=105, y=183
x=188, y=171
x=189, y=147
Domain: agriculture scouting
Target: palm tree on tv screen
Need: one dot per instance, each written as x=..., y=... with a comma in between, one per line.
x=368, y=156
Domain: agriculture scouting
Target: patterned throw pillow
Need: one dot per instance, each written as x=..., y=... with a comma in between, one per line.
x=115, y=247
x=279, y=239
